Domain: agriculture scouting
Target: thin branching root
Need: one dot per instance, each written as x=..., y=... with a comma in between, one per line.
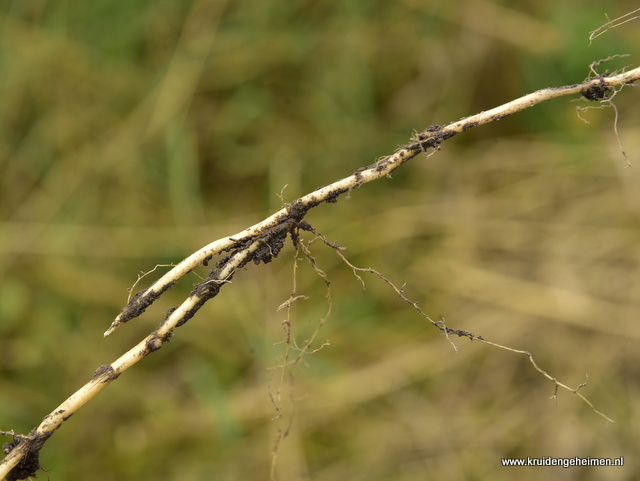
x=616, y=22
x=262, y=242
x=603, y=93
x=447, y=331
x=307, y=346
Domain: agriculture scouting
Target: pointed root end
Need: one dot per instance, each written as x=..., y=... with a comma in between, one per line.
x=112, y=328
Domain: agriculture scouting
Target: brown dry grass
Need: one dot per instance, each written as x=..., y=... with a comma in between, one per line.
x=133, y=136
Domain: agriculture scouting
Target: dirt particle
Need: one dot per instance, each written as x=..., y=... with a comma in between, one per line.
x=139, y=303
x=332, y=198
x=431, y=128
x=154, y=344
x=432, y=138
x=106, y=373
x=29, y=465
x=597, y=91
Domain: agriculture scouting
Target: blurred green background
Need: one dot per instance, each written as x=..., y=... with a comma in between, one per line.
x=133, y=133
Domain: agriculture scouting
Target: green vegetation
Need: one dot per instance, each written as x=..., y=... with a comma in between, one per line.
x=133, y=133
